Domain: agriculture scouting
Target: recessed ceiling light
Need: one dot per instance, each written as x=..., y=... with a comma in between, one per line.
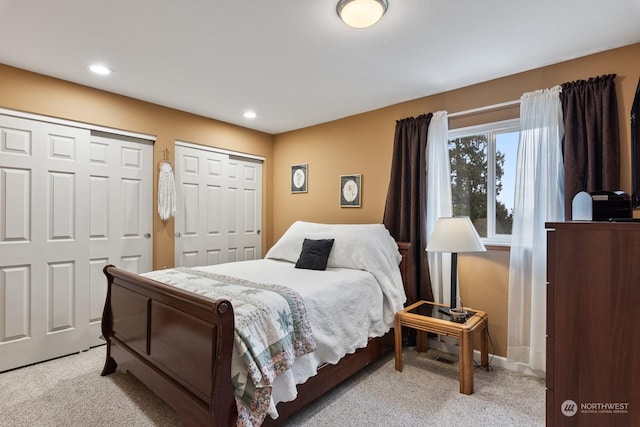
x=100, y=69
x=250, y=114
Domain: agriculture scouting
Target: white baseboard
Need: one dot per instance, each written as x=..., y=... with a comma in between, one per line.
x=450, y=345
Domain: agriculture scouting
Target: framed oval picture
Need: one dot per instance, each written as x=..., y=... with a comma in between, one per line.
x=299, y=178
x=350, y=191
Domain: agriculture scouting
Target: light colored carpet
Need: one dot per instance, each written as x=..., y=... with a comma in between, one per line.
x=70, y=392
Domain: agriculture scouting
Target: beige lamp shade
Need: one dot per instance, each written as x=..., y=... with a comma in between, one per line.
x=455, y=234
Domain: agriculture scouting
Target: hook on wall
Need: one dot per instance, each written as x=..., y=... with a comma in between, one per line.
x=165, y=158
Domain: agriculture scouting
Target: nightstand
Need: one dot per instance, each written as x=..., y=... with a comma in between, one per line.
x=425, y=316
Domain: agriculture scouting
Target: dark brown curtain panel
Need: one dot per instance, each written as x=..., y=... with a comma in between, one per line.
x=635, y=148
x=591, y=137
x=404, y=213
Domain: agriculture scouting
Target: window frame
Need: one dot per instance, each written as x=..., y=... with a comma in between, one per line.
x=491, y=129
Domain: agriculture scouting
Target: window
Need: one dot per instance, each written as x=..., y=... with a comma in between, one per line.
x=483, y=175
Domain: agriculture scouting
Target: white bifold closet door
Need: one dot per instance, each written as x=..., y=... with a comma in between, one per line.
x=121, y=214
x=52, y=226
x=219, y=207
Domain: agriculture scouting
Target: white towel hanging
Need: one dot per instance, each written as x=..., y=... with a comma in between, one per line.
x=166, y=191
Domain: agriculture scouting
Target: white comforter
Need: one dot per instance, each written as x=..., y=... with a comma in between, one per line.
x=367, y=247
x=344, y=308
x=354, y=299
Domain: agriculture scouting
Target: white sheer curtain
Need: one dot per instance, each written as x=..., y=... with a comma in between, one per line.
x=539, y=196
x=439, y=202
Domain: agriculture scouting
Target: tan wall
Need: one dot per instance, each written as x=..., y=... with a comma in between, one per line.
x=363, y=144
x=360, y=144
x=34, y=93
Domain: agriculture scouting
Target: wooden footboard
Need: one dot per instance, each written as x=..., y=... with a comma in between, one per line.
x=177, y=343
x=180, y=345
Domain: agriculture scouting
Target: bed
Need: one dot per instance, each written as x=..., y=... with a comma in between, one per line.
x=204, y=357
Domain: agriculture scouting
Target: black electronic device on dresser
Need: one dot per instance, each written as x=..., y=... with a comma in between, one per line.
x=609, y=205
x=593, y=338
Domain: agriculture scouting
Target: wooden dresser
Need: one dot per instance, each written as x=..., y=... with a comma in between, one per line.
x=593, y=324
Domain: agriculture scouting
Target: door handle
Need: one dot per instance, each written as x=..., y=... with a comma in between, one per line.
x=147, y=235
x=177, y=234
x=258, y=232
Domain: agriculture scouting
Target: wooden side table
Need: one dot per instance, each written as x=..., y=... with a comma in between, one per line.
x=424, y=316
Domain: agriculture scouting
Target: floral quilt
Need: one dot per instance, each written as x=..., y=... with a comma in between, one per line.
x=271, y=330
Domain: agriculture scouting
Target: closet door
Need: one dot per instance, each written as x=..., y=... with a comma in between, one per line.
x=219, y=207
x=244, y=213
x=70, y=203
x=44, y=241
x=121, y=184
x=201, y=200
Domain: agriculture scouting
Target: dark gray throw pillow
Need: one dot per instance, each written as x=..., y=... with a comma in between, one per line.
x=315, y=254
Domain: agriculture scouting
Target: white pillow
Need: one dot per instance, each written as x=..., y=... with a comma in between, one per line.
x=352, y=243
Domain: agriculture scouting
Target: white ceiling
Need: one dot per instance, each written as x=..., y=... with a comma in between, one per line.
x=293, y=61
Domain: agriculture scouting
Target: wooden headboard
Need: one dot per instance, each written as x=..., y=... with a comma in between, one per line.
x=406, y=269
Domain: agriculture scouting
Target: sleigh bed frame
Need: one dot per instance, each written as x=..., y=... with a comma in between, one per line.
x=180, y=344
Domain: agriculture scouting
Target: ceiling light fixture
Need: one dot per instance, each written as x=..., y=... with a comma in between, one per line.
x=100, y=69
x=250, y=115
x=361, y=13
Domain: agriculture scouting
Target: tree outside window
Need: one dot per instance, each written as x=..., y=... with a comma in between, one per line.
x=483, y=162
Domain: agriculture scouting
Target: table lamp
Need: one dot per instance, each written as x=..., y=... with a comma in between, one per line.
x=454, y=234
